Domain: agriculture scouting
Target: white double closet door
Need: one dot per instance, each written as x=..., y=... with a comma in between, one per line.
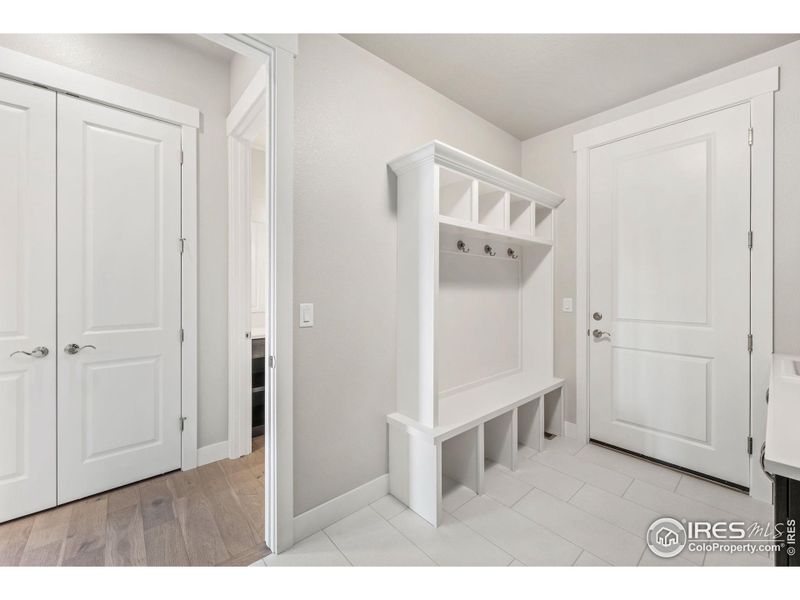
x=90, y=270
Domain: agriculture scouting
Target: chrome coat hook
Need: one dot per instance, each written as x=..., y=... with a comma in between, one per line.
x=487, y=249
x=512, y=253
x=462, y=247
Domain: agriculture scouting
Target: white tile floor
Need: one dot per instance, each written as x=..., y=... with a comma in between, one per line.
x=567, y=505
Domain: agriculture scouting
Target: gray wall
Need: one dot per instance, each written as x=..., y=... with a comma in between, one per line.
x=353, y=114
x=160, y=64
x=548, y=160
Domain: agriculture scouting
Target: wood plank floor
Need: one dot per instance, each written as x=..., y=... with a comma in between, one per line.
x=213, y=515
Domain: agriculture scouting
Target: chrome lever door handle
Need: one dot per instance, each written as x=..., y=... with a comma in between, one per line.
x=598, y=334
x=38, y=352
x=75, y=348
x=761, y=462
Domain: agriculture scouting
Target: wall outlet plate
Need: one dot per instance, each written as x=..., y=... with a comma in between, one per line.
x=566, y=304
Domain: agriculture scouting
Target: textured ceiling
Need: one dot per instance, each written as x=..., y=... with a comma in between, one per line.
x=531, y=83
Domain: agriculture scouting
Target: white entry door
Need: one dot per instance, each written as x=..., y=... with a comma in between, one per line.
x=119, y=304
x=27, y=299
x=670, y=296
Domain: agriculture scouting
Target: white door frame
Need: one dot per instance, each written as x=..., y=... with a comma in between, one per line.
x=244, y=113
x=277, y=52
x=757, y=90
x=22, y=67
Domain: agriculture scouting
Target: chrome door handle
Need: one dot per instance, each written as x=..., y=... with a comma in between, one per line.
x=38, y=352
x=75, y=348
x=761, y=461
x=598, y=334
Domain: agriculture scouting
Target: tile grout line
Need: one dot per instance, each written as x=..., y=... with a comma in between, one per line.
x=478, y=533
x=339, y=550
x=581, y=510
x=393, y=526
x=575, y=493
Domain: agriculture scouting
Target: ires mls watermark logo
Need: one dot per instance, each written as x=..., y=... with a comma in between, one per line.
x=667, y=537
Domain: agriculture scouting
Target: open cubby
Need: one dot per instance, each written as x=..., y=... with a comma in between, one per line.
x=554, y=412
x=475, y=324
x=492, y=208
x=462, y=459
x=544, y=222
x=530, y=431
x=455, y=195
x=500, y=440
x=520, y=215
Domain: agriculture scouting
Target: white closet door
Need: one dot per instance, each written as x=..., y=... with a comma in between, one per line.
x=118, y=291
x=669, y=273
x=27, y=299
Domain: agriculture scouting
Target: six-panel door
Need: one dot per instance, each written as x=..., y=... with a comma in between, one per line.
x=669, y=265
x=27, y=299
x=118, y=298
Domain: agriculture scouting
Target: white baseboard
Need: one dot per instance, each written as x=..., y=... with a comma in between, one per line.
x=212, y=453
x=570, y=430
x=338, y=508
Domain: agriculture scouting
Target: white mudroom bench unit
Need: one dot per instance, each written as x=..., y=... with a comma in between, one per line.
x=475, y=323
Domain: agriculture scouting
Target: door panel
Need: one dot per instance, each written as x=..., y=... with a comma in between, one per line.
x=119, y=291
x=669, y=265
x=27, y=299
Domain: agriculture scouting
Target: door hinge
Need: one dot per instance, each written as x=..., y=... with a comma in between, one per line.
x=181, y=155
x=182, y=334
x=749, y=445
x=181, y=422
x=181, y=244
x=271, y=362
x=749, y=342
x=750, y=137
x=750, y=239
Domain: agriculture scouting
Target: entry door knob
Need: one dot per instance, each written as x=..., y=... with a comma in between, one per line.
x=598, y=334
x=75, y=348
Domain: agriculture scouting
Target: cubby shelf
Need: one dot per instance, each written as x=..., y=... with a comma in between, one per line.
x=449, y=224
x=475, y=323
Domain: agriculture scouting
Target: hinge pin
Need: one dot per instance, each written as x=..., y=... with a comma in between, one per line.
x=750, y=137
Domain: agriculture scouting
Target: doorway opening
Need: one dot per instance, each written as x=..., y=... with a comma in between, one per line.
x=248, y=261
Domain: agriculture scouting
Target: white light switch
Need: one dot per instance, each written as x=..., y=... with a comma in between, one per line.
x=306, y=315
x=566, y=304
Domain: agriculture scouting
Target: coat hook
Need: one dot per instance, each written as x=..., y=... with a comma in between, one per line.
x=487, y=249
x=512, y=253
x=462, y=247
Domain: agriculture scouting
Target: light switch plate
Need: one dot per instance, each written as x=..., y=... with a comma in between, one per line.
x=566, y=304
x=306, y=315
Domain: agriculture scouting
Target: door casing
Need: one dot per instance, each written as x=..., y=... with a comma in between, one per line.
x=757, y=90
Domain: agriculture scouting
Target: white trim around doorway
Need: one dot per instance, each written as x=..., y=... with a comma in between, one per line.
x=279, y=409
x=757, y=90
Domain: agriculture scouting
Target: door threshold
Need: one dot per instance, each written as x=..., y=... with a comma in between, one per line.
x=723, y=482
